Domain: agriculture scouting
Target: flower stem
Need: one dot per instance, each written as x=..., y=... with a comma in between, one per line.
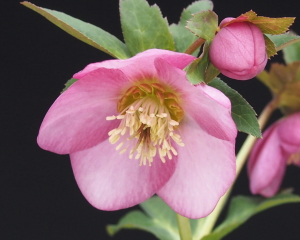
x=194, y=46
x=240, y=161
x=184, y=227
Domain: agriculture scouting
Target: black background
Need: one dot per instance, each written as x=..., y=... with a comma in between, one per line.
x=39, y=198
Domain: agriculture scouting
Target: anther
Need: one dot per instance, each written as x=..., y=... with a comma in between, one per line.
x=111, y=118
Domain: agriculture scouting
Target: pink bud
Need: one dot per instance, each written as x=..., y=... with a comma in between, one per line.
x=238, y=50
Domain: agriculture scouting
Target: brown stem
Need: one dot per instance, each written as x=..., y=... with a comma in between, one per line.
x=195, y=45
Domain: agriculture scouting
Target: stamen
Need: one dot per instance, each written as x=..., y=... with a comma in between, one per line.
x=123, y=150
x=120, y=116
x=174, y=123
x=110, y=118
x=119, y=146
x=146, y=124
x=114, y=138
x=174, y=151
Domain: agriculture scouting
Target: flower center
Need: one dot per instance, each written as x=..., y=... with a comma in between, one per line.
x=149, y=115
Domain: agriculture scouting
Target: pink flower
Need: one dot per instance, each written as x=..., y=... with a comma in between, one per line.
x=238, y=50
x=137, y=127
x=280, y=146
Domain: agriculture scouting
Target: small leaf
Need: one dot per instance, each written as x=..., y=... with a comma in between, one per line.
x=201, y=69
x=283, y=40
x=248, y=16
x=284, y=83
x=270, y=47
x=160, y=220
x=264, y=78
x=210, y=73
x=291, y=53
x=195, y=71
x=183, y=38
x=242, y=208
x=198, y=6
x=265, y=24
x=273, y=25
x=242, y=113
x=204, y=24
x=83, y=31
x=144, y=27
x=68, y=84
x=138, y=220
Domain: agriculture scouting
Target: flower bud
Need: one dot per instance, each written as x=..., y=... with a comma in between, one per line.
x=238, y=50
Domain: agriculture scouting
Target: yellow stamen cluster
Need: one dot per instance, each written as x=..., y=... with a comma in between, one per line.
x=147, y=127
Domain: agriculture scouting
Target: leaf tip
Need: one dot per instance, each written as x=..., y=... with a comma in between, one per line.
x=111, y=230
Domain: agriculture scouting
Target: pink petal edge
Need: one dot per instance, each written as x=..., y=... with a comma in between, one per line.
x=111, y=181
x=205, y=170
x=211, y=113
x=77, y=119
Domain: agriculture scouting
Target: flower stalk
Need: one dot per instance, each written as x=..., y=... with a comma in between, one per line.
x=184, y=227
x=194, y=46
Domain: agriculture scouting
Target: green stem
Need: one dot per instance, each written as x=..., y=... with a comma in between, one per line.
x=184, y=227
x=195, y=45
x=240, y=161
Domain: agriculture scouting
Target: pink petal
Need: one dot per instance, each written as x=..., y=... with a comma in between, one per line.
x=225, y=20
x=238, y=50
x=260, y=56
x=77, y=119
x=238, y=47
x=141, y=65
x=266, y=162
x=289, y=129
x=271, y=189
x=259, y=144
x=204, y=172
x=111, y=181
x=215, y=94
x=210, y=112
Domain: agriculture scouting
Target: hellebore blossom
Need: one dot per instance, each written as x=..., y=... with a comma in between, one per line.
x=279, y=147
x=137, y=127
x=238, y=50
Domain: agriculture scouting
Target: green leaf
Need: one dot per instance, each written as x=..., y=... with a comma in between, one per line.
x=138, y=220
x=144, y=27
x=68, y=84
x=195, y=71
x=211, y=73
x=291, y=53
x=83, y=31
x=270, y=47
x=283, y=40
x=204, y=24
x=242, y=208
x=273, y=25
x=265, y=24
x=201, y=69
x=183, y=38
x=160, y=220
x=198, y=6
x=242, y=113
